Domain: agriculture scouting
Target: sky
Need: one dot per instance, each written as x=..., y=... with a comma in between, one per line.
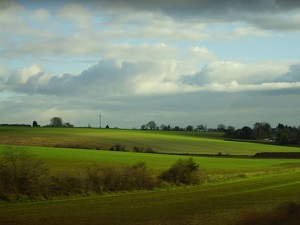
x=177, y=62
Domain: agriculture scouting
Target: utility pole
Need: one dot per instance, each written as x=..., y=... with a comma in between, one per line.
x=100, y=120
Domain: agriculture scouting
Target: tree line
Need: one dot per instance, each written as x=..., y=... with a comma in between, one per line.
x=151, y=125
x=282, y=134
x=54, y=122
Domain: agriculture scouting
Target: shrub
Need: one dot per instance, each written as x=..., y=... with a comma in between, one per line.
x=137, y=149
x=184, y=172
x=95, y=178
x=65, y=184
x=143, y=149
x=108, y=178
x=137, y=177
x=118, y=147
x=23, y=176
x=22, y=173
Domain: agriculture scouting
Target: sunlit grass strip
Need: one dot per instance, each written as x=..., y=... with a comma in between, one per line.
x=77, y=159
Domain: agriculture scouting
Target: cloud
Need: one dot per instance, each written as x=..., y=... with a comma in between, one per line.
x=226, y=72
x=108, y=77
x=120, y=78
x=135, y=61
x=194, y=108
x=9, y=15
x=41, y=14
x=9, y=7
x=234, y=87
x=77, y=13
x=22, y=75
x=114, y=29
x=267, y=14
x=293, y=75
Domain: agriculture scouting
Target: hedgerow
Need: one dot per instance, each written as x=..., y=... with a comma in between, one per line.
x=23, y=176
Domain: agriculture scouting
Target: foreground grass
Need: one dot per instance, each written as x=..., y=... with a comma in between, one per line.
x=160, y=141
x=219, y=203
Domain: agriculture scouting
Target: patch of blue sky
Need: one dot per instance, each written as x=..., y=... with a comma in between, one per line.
x=18, y=63
x=54, y=65
x=137, y=42
x=256, y=48
x=6, y=95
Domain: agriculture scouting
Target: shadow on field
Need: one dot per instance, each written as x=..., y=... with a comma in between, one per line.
x=282, y=215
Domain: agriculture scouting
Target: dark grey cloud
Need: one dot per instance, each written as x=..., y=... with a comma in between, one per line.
x=261, y=13
x=265, y=14
x=182, y=4
x=186, y=8
x=198, y=6
x=216, y=8
x=237, y=109
x=292, y=76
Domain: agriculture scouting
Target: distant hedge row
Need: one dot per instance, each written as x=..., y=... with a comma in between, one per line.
x=278, y=155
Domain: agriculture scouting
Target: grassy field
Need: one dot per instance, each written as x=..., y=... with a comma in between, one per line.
x=160, y=141
x=76, y=160
x=234, y=184
x=220, y=203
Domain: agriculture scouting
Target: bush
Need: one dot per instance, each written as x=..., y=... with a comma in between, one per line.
x=118, y=147
x=65, y=184
x=137, y=177
x=143, y=149
x=23, y=176
x=108, y=178
x=22, y=173
x=184, y=172
x=103, y=178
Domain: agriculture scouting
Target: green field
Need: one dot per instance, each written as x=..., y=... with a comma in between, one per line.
x=214, y=204
x=160, y=141
x=61, y=159
x=234, y=185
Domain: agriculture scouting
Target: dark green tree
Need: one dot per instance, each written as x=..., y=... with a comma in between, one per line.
x=189, y=128
x=262, y=130
x=67, y=124
x=221, y=128
x=151, y=125
x=56, y=122
x=246, y=133
x=201, y=128
x=229, y=132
